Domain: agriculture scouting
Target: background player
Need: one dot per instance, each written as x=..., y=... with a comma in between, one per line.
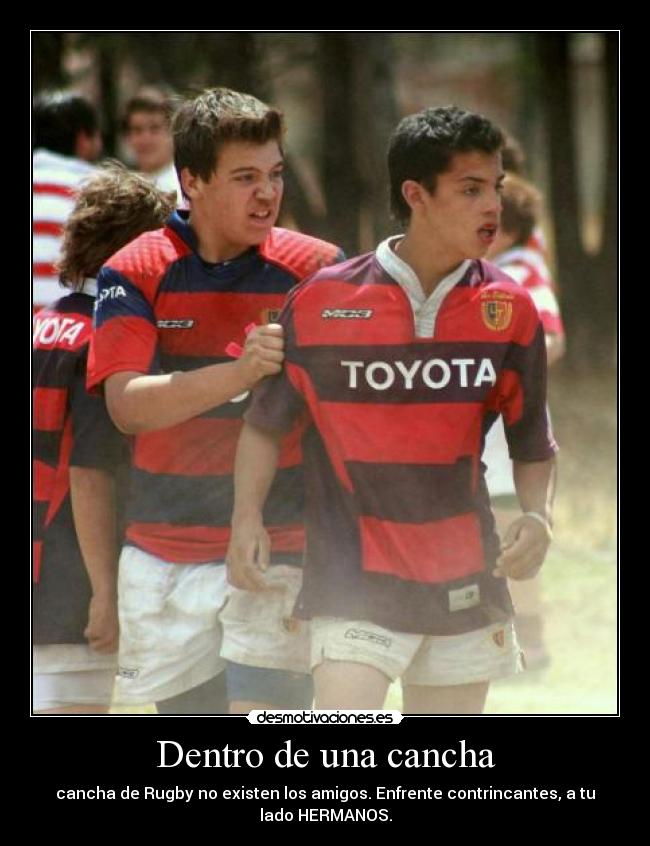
x=66, y=140
x=78, y=455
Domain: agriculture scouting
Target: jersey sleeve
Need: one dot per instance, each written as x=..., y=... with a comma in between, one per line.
x=523, y=391
x=96, y=443
x=125, y=336
x=277, y=404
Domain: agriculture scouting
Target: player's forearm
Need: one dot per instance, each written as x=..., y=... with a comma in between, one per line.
x=256, y=463
x=139, y=403
x=92, y=493
x=535, y=485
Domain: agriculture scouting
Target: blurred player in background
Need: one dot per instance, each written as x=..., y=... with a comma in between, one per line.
x=79, y=459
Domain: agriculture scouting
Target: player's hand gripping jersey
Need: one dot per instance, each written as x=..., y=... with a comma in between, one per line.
x=399, y=529
x=160, y=309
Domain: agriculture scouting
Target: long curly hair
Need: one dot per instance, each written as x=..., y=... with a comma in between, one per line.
x=113, y=207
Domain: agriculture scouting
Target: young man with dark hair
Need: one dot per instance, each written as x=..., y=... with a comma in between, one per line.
x=172, y=304
x=66, y=139
x=400, y=360
x=147, y=128
x=77, y=455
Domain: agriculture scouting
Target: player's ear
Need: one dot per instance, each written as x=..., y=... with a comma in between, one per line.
x=191, y=183
x=415, y=194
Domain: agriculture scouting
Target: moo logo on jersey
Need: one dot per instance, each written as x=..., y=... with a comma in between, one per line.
x=436, y=373
x=57, y=330
x=346, y=313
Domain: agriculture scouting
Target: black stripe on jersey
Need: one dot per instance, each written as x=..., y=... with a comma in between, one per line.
x=76, y=303
x=52, y=368
x=117, y=296
x=46, y=446
x=338, y=382
x=401, y=605
x=412, y=493
x=249, y=274
x=39, y=512
x=208, y=500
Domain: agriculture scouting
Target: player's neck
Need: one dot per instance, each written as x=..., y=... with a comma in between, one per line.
x=212, y=247
x=430, y=266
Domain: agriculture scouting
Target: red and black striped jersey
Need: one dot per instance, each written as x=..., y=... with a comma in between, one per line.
x=70, y=428
x=399, y=529
x=161, y=308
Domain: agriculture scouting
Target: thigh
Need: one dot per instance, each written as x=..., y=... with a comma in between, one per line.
x=348, y=684
x=251, y=688
x=354, y=661
x=452, y=699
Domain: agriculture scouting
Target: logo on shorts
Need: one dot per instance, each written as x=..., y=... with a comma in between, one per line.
x=463, y=598
x=290, y=624
x=174, y=324
x=496, y=310
x=346, y=313
x=361, y=634
x=128, y=672
x=499, y=638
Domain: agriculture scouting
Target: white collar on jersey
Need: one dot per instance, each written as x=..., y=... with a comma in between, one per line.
x=425, y=309
x=89, y=287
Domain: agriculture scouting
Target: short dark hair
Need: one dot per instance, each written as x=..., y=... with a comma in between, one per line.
x=423, y=145
x=520, y=208
x=202, y=125
x=58, y=118
x=150, y=100
x=113, y=207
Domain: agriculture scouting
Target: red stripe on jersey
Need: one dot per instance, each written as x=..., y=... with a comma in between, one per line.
x=44, y=268
x=199, y=447
x=49, y=408
x=47, y=227
x=402, y=434
x=201, y=544
x=44, y=479
x=352, y=311
x=53, y=188
x=218, y=319
x=300, y=254
x=461, y=317
x=124, y=343
x=509, y=397
x=37, y=552
x=427, y=552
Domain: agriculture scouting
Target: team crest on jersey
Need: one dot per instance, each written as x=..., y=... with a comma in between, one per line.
x=269, y=315
x=497, y=312
x=499, y=638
